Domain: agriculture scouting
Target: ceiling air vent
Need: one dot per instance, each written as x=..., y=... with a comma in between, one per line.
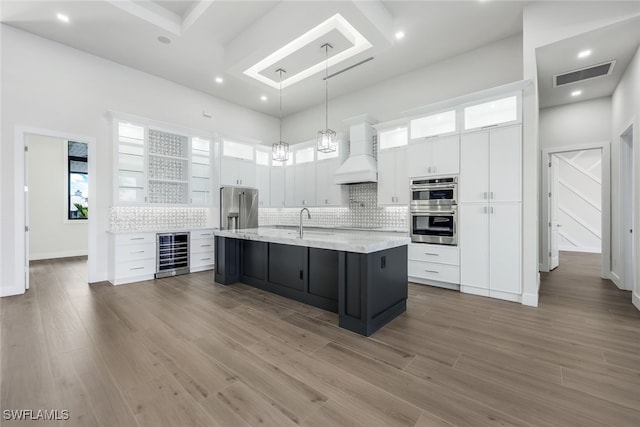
x=583, y=74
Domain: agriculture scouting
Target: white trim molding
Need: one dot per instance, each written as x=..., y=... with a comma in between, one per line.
x=530, y=299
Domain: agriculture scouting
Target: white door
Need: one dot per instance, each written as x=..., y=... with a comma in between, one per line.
x=386, y=177
x=473, y=226
x=628, y=196
x=229, y=171
x=420, y=159
x=474, y=167
x=289, y=186
x=504, y=247
x=401, y=177
x=263, y=185
x=446, y=155
x=277, y=186
x=554, y=235
x=505, y=164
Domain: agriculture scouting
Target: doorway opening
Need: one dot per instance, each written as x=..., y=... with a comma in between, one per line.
x=58, y=176
x=576, y=205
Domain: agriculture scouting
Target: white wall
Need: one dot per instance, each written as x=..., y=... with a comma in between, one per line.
x=51, y=86
x=625, y=111
x=51, y=235
x=489, y=66
x=576, y=123
x=545, y=23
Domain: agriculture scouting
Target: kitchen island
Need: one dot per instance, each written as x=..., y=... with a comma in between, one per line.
x=362, y=276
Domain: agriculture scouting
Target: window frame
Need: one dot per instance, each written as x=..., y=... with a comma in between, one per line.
x=68, y=172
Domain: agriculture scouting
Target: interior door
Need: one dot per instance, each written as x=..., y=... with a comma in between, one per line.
x=554, y=254
x=26, y=218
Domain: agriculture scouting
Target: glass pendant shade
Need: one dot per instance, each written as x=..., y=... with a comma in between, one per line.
x=327, y=142
x=280, y=151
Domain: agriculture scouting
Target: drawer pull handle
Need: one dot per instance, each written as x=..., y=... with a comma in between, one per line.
x=136, y=252
x=432, y=254
x=136, y=268
x=205, y=259
x=432, y=271
x=207, y=234
x=205, y=246
x=137, y=238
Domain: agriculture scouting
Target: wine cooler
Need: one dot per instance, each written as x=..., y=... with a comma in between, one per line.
x=172, y=254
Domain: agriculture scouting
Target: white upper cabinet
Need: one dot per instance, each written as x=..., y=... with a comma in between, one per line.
x=237, y=167
x=276, y=196
x=263, y=176
x=393, y=180
x=327, y=192
x=492, y=113
x=439, y=124
x=474, y=167
x=505, y=173
x=437, y=156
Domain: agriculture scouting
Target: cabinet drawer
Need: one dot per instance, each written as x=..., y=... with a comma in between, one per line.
x=202, y=234
x=433, y=271
x=200, y=259
x=135, y=252
x=134, y=238
x=199, y=246
x=434, y=253
x=135, y=268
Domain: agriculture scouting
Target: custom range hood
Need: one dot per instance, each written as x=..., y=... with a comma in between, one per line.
x=361, y=165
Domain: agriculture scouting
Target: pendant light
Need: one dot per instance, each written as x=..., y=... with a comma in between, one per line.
x=327, y=142
x=280, y=149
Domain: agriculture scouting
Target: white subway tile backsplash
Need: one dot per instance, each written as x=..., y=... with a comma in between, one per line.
x=141, y=218
x=363, y=212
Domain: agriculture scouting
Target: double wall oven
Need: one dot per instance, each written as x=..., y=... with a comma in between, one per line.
x=434, y=210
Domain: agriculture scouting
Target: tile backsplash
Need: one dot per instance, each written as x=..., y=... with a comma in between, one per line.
x=363, y=212
x=157, y=218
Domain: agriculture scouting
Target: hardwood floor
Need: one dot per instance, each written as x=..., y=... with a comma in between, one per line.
x=186, y=351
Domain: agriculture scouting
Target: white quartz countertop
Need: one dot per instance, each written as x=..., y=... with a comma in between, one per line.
x=337, y=240
x=160, y=230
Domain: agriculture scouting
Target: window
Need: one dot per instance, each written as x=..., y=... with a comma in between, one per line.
x=78, y=181
x=262, y=158
x=304, y=155
x=491, y=113
x=433, y=125
x=392, y=138
x=237, y=149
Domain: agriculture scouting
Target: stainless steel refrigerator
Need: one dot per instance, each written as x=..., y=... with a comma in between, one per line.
x=238, y=208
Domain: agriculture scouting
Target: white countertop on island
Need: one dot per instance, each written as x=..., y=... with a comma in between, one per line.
x=332, y=239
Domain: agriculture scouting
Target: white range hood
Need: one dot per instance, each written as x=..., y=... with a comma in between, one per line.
x=361, y=166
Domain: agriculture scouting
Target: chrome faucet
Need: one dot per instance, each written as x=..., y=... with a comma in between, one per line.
x=308, y=216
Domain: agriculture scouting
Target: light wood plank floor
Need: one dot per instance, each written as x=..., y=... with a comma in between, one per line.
x=185, y=351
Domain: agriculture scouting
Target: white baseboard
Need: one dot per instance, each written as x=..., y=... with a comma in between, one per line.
x=635, y=299
x=11, y=291
x=615, y=279
x=52, y=255
x=530, y=299
x=580, y=249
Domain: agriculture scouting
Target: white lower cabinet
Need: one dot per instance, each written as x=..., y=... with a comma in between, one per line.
x=437, y=265
x=134, y=257
x=201, y=255
x=490, y=250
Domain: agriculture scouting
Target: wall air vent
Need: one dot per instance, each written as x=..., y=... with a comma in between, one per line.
x=591, y=72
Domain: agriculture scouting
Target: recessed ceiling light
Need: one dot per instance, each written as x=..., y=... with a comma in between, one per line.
x=219, y=80
x=62, y=17
x=263, y=98
x=576, y=93
x=164, y=40
x=584, y=53
x=399, y=35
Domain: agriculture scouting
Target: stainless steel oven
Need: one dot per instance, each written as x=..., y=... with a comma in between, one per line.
x=434, y=191
x=435, y=224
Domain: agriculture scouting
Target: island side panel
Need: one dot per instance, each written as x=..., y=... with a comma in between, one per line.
x=373, y=289
x=227, y=256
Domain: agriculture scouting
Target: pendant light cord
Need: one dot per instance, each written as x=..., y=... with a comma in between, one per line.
x=326, y=86
x=280, y=70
